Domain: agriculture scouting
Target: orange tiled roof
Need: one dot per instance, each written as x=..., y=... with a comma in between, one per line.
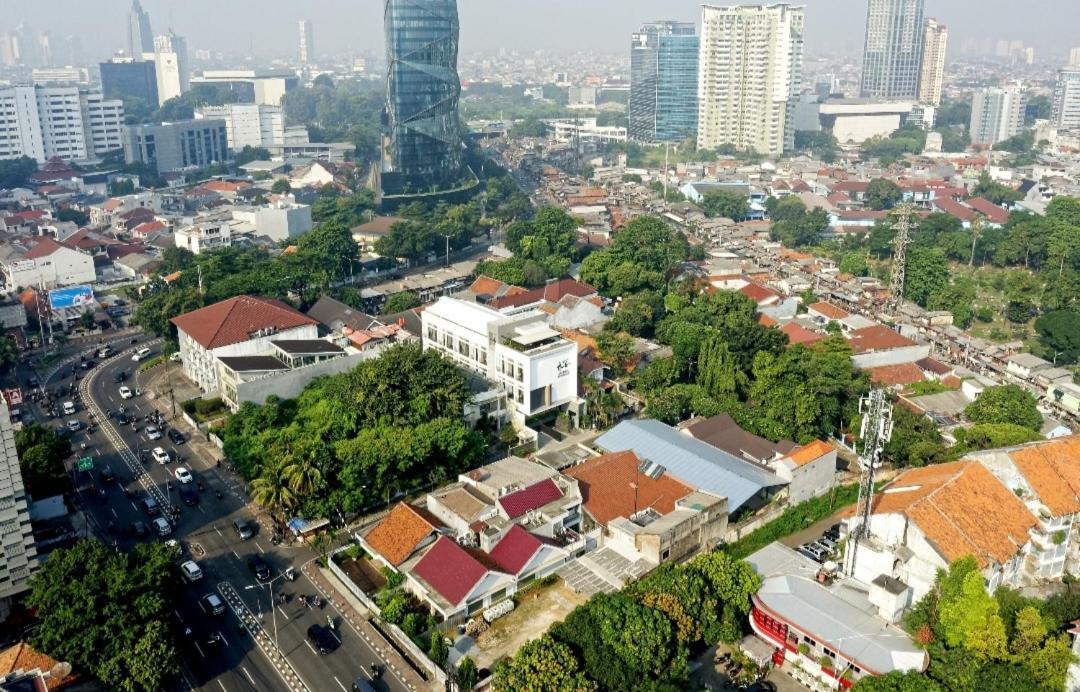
x=486, y=285
x=810, y=452
x=234, y=320
x=962, y=509
x=1053, y=470
x=607, y=487
x=23, y=657
x=903, y=373
x=397, y=535
x=829, y=310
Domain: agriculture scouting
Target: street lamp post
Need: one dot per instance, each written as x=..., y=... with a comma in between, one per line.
x=273, y=610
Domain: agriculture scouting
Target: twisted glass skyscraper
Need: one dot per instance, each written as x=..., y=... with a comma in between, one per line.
x=422, y=90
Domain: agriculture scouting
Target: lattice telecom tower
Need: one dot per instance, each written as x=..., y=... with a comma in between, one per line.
x=876, y=430
x=904, y=225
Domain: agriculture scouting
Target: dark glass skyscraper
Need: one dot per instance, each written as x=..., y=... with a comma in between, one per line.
x=664, y=82
x=422, y=90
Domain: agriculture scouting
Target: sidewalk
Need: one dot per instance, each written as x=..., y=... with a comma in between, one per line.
x=358, y=615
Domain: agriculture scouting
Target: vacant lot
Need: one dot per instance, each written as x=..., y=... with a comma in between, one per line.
x=538, y=610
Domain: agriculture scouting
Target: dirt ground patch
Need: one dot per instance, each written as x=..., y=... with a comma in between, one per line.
x=364, y=575
x=538, y=610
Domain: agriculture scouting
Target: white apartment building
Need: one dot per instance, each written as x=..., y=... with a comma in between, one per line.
x=71, y=123
x=933, y=62
x=44, y=263
x=18, y=555
x=1066, y=113
x=171, y=63
x=278, y=220
x=585, y=131
x=533, y=363
x=749, y=76
x=205, y=234
x=997, y=114
x=248, y=124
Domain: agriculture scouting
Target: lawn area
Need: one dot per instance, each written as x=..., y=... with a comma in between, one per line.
x=537, y=610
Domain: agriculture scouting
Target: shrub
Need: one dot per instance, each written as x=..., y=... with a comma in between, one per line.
x=794, y=519
x=804, y=648
x=393, y=578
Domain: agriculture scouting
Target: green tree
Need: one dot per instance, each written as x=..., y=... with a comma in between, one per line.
x=79, y=218
x=915, y=441
x=1059, y=335
x=15, y=172
x=1006, y=404
x=281, y=187
x=466, y=674
x=108, y=613
x=272, y=492
x=121, y=187
x=721, y=203
x=249, y=154
x=911, y=681
x=400, y=302
x=437, y=650
x=971, y=620
x=855, y=263
x=882, y=194
x=41, y=459
x=638, y=314
x=718, y=371
x=9, y=353
x=1049, y=665
x=86, y=319
x=994, y=435
x=616, y=349
x=542, y=665
x=1029, y=633
x=927, y=274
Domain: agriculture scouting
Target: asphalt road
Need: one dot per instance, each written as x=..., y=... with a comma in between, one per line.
x=273, y=652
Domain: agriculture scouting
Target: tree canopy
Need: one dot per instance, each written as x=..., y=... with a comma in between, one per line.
x=1006, y=404
x=41, y=459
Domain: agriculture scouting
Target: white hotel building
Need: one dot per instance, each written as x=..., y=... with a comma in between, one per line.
x=72, y=123
x=533, y=363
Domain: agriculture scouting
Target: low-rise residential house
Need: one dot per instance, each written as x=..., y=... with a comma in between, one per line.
x=369, y=233
x=648, y=515
x=1026, y=365
x=810, y=471
x=722, y=432
x=1065, y=395
x=41, y=261
x=877, y=346
x=240, y=326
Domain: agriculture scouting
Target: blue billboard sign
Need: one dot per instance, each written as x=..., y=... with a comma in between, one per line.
x=71, y=297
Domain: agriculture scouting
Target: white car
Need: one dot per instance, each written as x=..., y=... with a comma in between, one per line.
x=140, y=354
x=125, y=393
x=152, y=433
x=69, y=408
x=161, y=456
x=183, y=475
x=191, y=571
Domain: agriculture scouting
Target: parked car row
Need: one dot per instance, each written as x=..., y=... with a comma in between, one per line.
x=824, y=548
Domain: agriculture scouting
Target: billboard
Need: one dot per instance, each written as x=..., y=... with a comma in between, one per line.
x=71, y=297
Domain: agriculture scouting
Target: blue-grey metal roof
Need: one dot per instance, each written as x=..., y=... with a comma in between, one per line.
x=693, y=462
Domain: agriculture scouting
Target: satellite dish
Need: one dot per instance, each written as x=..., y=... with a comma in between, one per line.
x=60, y=670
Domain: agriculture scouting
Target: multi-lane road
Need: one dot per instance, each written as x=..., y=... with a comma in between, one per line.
x=270, y=651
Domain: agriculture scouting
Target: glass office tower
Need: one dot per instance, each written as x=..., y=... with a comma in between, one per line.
x=664, y=82
x=422, y=90
x=892, y=57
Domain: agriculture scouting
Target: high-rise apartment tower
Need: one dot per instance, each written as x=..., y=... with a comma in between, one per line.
x=140, y=39
x=935, y=43
x=307, y=42
x=892, y=54
x=997, y=114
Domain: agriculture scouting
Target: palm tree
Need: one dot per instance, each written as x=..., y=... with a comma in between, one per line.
x=302, y=475
x=271, y=491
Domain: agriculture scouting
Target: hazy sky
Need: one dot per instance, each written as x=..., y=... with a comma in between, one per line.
x=560, y=25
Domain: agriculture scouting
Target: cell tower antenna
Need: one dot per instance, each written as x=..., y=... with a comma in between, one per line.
x=905, y=224
x=876, y=430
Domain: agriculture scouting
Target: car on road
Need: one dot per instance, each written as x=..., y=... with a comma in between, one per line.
x=362, y=685
x=141, y=354
x=107, y=475
x=322, y=639
x=160, y=455
x=259, y=567
x=162, y=526
x=104, y=352
x=176, y=437
x=120, y=376
x=243, y=529
x=183, y=475
x=74, y=425
x=189, y=495
x=191, y=571
x=138, y=529
x=212, y=604
x=153, y=432
x=150, y=506
x=87, y=365
x=123, y=418
x=125, y=393
x=69, y=408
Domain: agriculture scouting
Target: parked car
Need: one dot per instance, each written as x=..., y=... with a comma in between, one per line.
x=212, y=604
x=322, y=639
x=160, y=455
x=191, y=571
x=243, y=529
x=176, y=437
x=141, y=354
x=104, y=352
x=126, y=393
x=74, y=425
x=153, y=432
x=183, y=475
x=259, y=567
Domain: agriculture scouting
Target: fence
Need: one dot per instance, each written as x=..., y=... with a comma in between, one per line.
x=349, y=584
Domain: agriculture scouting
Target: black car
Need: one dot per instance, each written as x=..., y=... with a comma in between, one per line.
x=87, y=365
x=139, y=530
x=189, y=495
x=243, y=529
x=150, y=506
x=176, y=436
x=107, y=475
x=322, y=639
x=123, y=418
x=259, y=567
x=120, y=376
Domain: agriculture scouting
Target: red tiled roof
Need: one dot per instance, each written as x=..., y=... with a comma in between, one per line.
x=536, y=495
x=829, y=310
x=23, y=657
x=992, y=212
x=851, y=186
x=515, y=550
x=485, y=285
x=607, y=487
x=400, y=532
x=225, y=186
x=798, y=334
x=810, y=452
x=758, y=293
x=233, y=321
x=877, y=338
x=960, y=211
x=148, y=227
x=903, y=374
x=43, y=248
x=451, y=571
x=856, y=214
x=553, y=292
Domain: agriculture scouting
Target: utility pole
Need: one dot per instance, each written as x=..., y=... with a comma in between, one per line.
x=875, y=432
x=903, y=227
x=448, y=237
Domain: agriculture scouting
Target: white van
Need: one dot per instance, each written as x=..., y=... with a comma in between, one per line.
x=69, y=408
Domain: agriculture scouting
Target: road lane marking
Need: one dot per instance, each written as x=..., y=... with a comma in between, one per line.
x=134, y=507
x=339, y=684
x=222, y=685
x=259, y=547
x=282, y=611
x=223, y=638
x=219, y=532
x=248, y=675
x=236, y=556
x=200, y=649
x=115, y=515
x=311, y=647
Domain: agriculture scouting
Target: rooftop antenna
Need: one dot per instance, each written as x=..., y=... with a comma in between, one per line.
x=876, y=430
x=905, y=213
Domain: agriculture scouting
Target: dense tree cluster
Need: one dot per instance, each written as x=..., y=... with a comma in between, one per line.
x=639, y=259
x=642, y=637
x=393, y=424
x=41, y=459
x=792, y=224
x=979, y=641
x=728, y=205
x=349, y=112
x=109, y=612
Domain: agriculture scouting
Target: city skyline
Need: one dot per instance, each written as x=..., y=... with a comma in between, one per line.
x=345, y=26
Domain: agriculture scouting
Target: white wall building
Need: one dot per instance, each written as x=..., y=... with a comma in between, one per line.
x=749, y=76
x=997, y=114
x=46, y=263
x=248, y=124
x=18, y=555
x=44, y=122
x=171, y=62
x=935, y=45
x=1066, y=113
x=205, y=234
x=279, y=220
x=585, y=131
x=240, y=326
x=534, y=364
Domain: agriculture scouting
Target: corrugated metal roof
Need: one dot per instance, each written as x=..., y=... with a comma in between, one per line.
x=693, y=462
